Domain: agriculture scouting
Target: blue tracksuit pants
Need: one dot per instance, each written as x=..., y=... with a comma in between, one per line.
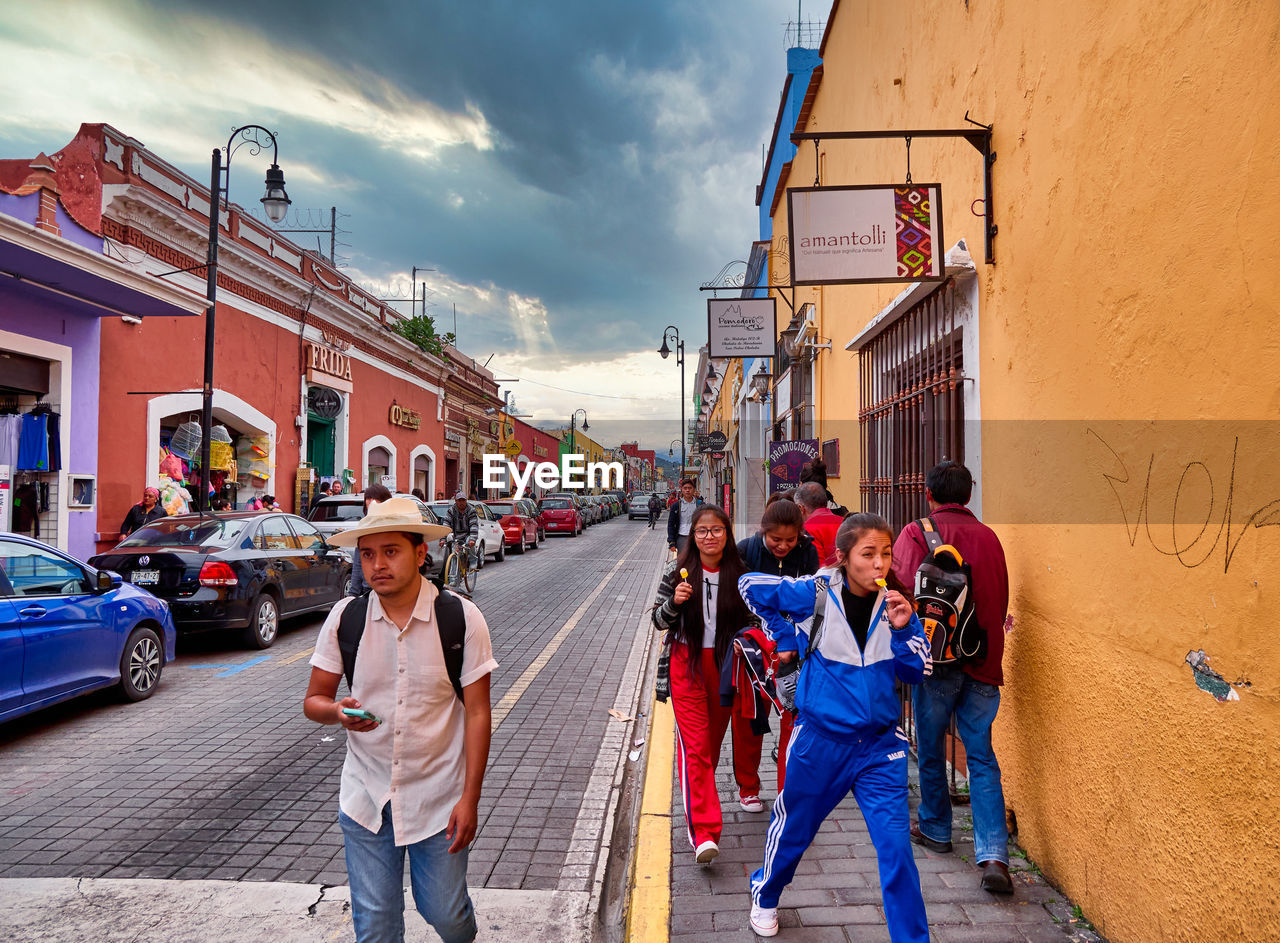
x=821, y=772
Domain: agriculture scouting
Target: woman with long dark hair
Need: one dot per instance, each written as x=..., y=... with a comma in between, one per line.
x=864, y=634
x=699, y=606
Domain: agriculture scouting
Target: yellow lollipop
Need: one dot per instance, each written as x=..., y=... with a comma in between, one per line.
x=684, y=574
x=881, y=583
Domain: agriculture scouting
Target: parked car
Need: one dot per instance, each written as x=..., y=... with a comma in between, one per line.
x=532, y=510
x=580, y=504
x=562, y=516
x=492, y=539
x=237, y=571
x=334, y=513
x=639, y=506
x=67, y=628
x=518, y=528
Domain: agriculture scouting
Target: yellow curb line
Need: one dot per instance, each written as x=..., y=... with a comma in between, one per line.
x=300, y=655
x=649, y=909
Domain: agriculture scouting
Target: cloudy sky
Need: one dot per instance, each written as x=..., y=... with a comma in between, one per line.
x=572, y=171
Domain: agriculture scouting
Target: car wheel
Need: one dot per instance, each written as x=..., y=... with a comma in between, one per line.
x=264, y=622
x=480, y=557
x=519, y=547
x=344, y=581
x=141, y=664
x=502, y=552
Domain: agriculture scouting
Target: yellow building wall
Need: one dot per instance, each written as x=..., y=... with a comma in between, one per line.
x=1127, y=362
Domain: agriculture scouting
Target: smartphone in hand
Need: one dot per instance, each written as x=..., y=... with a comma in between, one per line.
x=362, y=714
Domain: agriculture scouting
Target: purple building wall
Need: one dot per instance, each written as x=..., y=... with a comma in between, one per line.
x=32, y=312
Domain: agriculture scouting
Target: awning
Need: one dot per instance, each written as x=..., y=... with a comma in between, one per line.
x=49, y=263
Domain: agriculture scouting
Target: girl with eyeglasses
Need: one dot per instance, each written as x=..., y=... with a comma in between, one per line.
x=702, y=612
x=854, y=627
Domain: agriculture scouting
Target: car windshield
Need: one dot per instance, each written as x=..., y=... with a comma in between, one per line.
x=556, y=504
x=337, y=511
x=196, y=532
x=503, y=509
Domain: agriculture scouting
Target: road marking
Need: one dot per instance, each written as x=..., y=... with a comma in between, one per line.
x=292, y=658
x=503, y=707
x=234, y=669
x=649, y=912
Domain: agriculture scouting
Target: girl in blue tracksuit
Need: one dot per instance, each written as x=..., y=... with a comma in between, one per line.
x=846, y=733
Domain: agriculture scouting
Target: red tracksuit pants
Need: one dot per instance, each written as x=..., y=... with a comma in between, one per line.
x=701, y=723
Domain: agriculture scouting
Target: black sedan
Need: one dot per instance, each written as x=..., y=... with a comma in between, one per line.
x=241, y=571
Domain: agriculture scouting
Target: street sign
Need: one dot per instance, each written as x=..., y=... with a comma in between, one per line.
x=513, y=447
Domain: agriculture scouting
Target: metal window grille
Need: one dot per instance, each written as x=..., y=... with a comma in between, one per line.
x=911, y=406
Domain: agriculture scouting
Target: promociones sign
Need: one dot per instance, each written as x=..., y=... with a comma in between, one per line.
x=742, y=327
x=868, y=233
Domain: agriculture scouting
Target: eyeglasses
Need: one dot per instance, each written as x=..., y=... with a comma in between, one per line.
x=709, y=532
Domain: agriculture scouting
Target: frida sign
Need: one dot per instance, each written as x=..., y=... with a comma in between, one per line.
x=843, y=235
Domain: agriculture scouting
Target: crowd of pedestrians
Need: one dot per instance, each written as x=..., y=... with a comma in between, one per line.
x=816, y=616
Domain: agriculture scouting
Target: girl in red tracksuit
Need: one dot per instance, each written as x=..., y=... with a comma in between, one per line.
x=703, y=611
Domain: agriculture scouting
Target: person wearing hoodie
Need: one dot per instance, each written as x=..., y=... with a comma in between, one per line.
x=855, y=628
x=781, y=548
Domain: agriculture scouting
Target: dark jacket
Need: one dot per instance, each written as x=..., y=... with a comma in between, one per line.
x=139, y=517
x=673, y=519
x=981, y=549
x=466, y=524
x=801, y=561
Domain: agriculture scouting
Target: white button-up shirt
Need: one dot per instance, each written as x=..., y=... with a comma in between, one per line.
x=415, y=758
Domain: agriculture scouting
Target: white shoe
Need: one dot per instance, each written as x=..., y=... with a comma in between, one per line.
x=751, y=804
x=707, y=852
x=764, y=920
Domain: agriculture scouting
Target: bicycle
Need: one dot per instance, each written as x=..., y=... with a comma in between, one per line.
x=458, y=571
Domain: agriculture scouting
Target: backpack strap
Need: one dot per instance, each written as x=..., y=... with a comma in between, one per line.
x=823, y=585
x=451, y=620
x=350, y=629
x=929, y=527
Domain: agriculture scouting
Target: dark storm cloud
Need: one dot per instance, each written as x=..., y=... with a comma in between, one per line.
x=602, y=115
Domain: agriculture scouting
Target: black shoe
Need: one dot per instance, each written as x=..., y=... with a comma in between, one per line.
x=920, y=838
x=995, y=877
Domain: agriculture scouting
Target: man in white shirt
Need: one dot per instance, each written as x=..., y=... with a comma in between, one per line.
x=412, y=776
x=681, y=517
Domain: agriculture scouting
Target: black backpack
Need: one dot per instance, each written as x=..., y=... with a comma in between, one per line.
x=944, y=602
x=450, y=619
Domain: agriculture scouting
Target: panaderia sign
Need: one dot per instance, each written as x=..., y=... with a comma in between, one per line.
x=870, y=233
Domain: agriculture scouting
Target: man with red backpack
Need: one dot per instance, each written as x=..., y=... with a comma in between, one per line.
x=969, y=690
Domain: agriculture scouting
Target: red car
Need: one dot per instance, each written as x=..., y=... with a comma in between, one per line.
x=561, y=516
x=518, y=529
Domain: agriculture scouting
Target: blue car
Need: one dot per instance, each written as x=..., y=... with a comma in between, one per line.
x=67, y=629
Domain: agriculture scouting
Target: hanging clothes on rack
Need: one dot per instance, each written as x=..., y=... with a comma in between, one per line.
x=55, y=443
x=26, y=509
x=33, y=442
x=10, y=430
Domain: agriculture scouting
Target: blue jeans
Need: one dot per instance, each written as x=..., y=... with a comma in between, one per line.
x=974, y=704
x=375, y=870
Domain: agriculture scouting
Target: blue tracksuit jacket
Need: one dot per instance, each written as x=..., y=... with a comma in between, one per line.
x=845, y=693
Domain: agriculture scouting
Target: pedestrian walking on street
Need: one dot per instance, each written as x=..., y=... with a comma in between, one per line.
x=782, y=548
x=655, y=509
x=144, y=512
x=819, y=522
x=971, y=691
x=699, y=607
x=418, y=742
x=680, y=517
x=371, y=494
x=864, y=635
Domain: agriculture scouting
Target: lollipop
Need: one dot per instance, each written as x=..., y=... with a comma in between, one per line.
x=881, y=583
x=684, y=574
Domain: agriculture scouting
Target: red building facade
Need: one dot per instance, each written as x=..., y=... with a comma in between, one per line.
x=310, y=381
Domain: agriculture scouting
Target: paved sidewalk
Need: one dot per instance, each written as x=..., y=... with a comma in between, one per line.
x=835, y=896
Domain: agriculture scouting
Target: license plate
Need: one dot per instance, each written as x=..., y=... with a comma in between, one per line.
x=141, y=577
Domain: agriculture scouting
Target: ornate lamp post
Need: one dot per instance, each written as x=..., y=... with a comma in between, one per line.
x=664, y=351
x=276, y=204
x=573, y=428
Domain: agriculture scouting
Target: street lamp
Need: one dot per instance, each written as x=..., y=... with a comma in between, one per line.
x=664, y=351
x=276, y=204
x=573, y=427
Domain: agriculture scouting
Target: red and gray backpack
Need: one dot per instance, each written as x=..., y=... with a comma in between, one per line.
x=944, y=602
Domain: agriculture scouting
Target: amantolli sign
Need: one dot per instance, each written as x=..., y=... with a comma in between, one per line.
x=880, y=233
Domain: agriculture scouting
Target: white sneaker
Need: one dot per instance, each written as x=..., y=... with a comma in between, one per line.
x=707, y=852
x=751, y=804
x=764, y=920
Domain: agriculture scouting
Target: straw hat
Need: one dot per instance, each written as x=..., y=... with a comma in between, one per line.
x=394, y=514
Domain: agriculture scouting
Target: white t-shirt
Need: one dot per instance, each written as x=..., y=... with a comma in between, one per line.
x=415, y=758
x=686, y=515
x=710, y=597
